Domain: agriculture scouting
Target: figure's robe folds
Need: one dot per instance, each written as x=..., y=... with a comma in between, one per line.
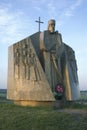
x=59, y=64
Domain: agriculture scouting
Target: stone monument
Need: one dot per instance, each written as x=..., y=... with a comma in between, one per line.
x=42, y=69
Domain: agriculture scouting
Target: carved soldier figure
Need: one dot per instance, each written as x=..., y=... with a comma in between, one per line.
x=16, y=61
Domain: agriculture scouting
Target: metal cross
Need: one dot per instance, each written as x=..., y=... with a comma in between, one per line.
x=39, y=22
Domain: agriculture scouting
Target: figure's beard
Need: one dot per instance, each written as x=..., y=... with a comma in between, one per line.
x=52, y=30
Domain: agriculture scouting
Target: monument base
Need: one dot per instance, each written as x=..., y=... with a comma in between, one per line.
x=55, y=104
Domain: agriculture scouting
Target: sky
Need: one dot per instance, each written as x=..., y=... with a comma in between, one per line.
x=17, y=21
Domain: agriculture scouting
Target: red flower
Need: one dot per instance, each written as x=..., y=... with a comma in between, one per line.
x=59, y=89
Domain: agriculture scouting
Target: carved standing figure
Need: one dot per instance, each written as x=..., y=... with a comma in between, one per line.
x=56, y=62
x=52, y=49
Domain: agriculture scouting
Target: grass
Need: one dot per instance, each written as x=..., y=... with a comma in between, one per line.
x=14, y=117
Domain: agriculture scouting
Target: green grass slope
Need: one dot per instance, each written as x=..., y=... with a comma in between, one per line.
x=14, y=117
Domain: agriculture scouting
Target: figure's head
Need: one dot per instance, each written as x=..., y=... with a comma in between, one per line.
x=51, y=25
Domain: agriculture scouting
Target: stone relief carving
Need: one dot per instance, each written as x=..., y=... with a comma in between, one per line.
x=24, y=55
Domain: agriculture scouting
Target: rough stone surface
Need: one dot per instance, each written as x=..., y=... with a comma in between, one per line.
x=59, y=64
x=37, y=64
x=26, y=78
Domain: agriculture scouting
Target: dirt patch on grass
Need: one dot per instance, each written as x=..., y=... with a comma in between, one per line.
x=73, y=111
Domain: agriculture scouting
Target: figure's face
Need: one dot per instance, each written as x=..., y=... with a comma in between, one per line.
x=51, y=26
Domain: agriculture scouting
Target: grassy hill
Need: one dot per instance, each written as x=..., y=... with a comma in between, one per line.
x=14, y=117
x=72, y=117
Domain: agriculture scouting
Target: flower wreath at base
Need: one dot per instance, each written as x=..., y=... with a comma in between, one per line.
x=59, y=91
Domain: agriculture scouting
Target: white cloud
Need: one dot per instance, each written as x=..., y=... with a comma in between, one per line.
x=69, y=11
x=13, y=22
x=61, y=10
x=38, y=5
x=10, y=24
x=76, y=4
x=51, y=8
x=37, y=8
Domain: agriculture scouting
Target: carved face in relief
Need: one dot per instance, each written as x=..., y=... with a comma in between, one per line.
x=51, y=25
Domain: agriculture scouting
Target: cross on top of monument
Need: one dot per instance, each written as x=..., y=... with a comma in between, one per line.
x=39, y=22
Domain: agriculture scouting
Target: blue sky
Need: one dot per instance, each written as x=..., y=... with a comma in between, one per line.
x=17, y=21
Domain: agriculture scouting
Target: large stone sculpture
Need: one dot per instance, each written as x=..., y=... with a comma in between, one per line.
x=42, y=69
x=59, y=62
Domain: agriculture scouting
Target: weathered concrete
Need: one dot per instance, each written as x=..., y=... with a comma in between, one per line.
x=40, y=66
x=26, y=78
